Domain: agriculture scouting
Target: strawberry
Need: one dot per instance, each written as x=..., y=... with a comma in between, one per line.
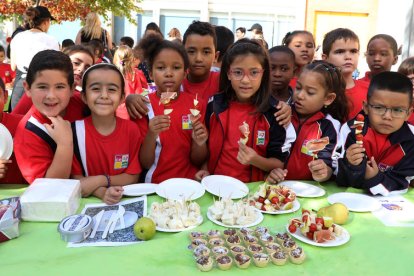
x=286, y=200
x=263, y=208
x=305, y=218
x=313, y=227
x=261, y=199
x=309, y=235
x=360, y=117
x=292, y=228
x=275, y=200
x=319, y=221
x=304, y=211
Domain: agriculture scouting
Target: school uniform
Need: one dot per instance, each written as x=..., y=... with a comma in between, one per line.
x=366, y=78
x=113, y=154
x=266, y=137
x=317, y=126
x=394, y=154
x=13, y=175
x=293, y=82
x=173, y=146
x=205, y=89
x=356, y=95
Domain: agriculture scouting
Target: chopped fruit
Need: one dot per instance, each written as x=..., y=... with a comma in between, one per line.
x=261, y=199
x=244, y=132
x=272, y=197
x=319, y=220
x=195, y=112
x=309, y=235
x=313, y=227
x=166, y=97
x=275, y=200
x=167, y=111
x=292, y=228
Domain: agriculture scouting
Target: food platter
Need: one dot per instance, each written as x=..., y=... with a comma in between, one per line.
x=258, y=220
x=167, y=230
x=296, y=206
x=303, y=189
x=179, y=189
x=225, y=186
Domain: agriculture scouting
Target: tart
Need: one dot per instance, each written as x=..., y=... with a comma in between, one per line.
x=197, y=242
x=196, y=235
x=246, y=231
x=242, y=260
x=237, y=249
x=201, y=250
x=266, y=238
x=216, y=242
x=229, y=232
x=255, y=248
x=260, y=230
x=233, y=240
x=219, y=250
x=261, y=259
x=279, y=257
x=272, y=247
x=281, y=237
x=289, y=244
x=204, y=263
x=248, y=239
x=213, y=234
x=224, y=262
x=297, y=255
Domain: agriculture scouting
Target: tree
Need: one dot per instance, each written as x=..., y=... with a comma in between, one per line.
x=70, y=10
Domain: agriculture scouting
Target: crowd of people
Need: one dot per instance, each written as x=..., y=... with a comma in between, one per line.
x=205, y=104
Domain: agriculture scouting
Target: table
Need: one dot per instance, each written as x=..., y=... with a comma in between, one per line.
x=374, y=249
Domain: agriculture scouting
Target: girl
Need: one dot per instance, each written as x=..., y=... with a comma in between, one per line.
x=320, y=108
x=81, y=58
x=134, y=79
x=382, y=53
x=106, y=147
x=302, y=44
x=407, y=68
x=245, y=100
x=174, y=144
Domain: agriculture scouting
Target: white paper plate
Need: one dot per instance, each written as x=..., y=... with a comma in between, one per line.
x=303, y=189
x=355, y=202
x=129, y=218
x=6, y=143
x=225, y=186
x=340, y=240
x=179, y=189
x=139, y=189
x=256, y=222
x=200, y=220
x=296, y=206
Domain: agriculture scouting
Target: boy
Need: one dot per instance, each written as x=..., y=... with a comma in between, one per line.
x=43, y=141
x=6, y=72
x=282, y=65
x=9, y=171
x=225, y=39
x=127, y=40
x=384, y=160
x=341, y=48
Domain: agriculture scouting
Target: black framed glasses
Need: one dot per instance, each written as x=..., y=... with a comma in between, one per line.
x=252, y=74
x=396, y=112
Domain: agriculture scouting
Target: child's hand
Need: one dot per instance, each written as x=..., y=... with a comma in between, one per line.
x=200, y=133
x=60, y=131
x=159, y=123
x=136, y=105
x=3, y=167
x=113, y=195
x=246, y=154
x=372, y=169
x=284, y=114
x=355, y=154
x=201, y=174
x=320, y=171
x=276, y=175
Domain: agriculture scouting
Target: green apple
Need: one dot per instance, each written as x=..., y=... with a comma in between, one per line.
x=144, y=229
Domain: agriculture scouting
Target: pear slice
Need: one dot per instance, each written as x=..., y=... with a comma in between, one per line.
x=195, y=112
x=167, y=111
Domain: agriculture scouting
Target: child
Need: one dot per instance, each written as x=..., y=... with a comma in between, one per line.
x=134, y=79
x=319, y=109
x=106, y=147
x=175, y=142
x=126, y=40
x=6, y=72
x=225, y=38
x=341, y=48
x=407, y=68
x=382, y=53
x=382, y=161
x=98, y=50
x=43, y=143
x=245, y=82
x=9, y=171
x=302, y=44
x=82, y=59
x=282, y=65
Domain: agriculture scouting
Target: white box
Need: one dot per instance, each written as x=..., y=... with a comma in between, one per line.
x=49, y=199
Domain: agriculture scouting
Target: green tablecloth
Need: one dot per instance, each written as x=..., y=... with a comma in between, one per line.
x=374, y=249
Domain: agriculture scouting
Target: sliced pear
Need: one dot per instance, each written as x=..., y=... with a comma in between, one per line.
x=195, y=112
x=167, y=111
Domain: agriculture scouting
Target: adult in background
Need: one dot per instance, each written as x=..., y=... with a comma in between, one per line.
x=240, y=32
x=94, y=30
x=28, y=43
x=175, y=35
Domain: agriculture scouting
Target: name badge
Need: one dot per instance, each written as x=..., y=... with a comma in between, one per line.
x=121, y=161
x=186, y=122
x=261, y=136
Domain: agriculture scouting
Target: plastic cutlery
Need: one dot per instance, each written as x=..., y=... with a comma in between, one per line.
x=98, y=219
x=121, y=216
x=115, y=220
x=108, y=225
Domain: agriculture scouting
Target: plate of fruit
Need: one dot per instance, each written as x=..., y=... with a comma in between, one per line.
x=317, y=231
x=274, y=199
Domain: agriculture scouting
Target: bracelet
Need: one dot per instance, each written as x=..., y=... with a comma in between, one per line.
x=108, y=179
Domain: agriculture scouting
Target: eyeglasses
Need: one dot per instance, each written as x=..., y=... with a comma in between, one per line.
x=252, y=74
x=396, y=112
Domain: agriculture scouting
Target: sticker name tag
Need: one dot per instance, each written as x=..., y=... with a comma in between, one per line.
x=186, y=122
x=121, y=161
x=261, y=137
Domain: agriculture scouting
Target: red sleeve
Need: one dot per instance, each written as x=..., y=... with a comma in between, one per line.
x=143, y=79
x=24, y=105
